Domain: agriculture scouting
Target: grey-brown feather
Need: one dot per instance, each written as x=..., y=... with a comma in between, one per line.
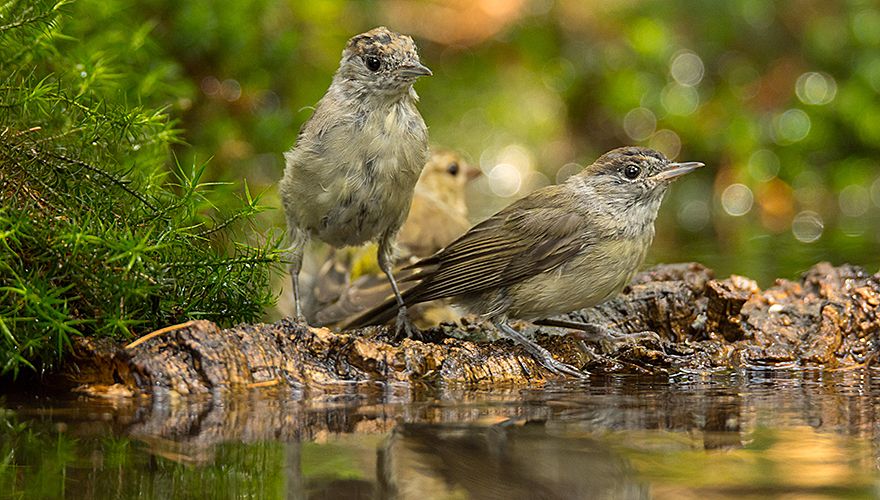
x=561, y=248
x=497, y=253
x=348, y=186
x=350, y=177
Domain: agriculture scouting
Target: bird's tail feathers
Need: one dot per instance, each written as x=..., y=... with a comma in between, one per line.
x=381, y=314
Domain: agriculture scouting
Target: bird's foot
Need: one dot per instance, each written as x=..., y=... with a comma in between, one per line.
x=300, y=321
x=404, y=326
x=558, y=367
x=542, y=355
x=610, y=340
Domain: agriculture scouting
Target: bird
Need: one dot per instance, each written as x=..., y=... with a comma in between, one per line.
x=561, y=248
x=439, y=211
x=349, y=178
x=348, y=283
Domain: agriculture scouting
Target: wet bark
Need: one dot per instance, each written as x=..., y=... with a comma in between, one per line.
x=829, y=318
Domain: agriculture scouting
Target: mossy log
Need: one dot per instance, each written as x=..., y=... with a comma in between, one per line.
x=829, y=318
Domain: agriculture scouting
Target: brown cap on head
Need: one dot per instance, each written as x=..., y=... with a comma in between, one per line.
x=381, y=40
x=632, y=152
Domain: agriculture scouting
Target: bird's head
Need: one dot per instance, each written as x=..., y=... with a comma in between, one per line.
x=382, y=61
x=445, y=177
x=632, y=179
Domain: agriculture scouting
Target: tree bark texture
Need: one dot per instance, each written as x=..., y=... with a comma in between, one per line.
x=828, y=318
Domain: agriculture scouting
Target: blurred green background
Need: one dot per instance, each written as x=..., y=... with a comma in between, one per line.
x=780, y=99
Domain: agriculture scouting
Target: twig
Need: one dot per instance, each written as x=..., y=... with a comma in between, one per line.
x=158, y=332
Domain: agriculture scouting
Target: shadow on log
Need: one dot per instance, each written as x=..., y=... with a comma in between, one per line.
x=829, y=318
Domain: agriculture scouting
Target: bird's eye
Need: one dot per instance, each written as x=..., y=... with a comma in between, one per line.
x=631, y=171
x=453, y=169
x=373, y=63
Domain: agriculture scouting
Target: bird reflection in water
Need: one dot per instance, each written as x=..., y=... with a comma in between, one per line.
x=507, y=460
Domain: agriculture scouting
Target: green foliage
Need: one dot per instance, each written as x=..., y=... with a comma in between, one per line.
x=48, y=456
x=781, y=97
x=96, y=236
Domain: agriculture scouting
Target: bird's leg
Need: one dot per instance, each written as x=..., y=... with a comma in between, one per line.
x=597, y=333
x=405, y=328
x=295, y=252
x=540, y=354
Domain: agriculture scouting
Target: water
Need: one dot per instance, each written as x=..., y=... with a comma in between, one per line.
x=754, y=435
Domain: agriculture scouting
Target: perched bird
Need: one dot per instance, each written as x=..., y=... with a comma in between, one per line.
x=561, y=248
x=439, y=213
x=349, y=283
x=350, y=177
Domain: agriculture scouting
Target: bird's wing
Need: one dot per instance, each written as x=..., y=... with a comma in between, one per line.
x=531, y=236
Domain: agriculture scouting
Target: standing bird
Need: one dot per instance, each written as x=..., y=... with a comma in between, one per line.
x=561, y=248
x=351, y=175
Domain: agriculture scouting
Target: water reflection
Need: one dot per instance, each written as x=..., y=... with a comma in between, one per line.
x=758, y=433
x=511, y=459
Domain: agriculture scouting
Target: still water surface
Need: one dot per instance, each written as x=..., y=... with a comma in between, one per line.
x=736, y=435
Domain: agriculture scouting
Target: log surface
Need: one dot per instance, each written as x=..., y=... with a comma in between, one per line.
x=829, y=318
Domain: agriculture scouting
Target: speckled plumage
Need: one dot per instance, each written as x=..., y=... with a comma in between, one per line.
x=350, y=177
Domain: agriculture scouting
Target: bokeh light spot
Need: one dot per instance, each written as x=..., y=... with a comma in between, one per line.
x=534, y=180
x=854, y=200
x=742, y=77
x=230, y=90
x=687, y=68
x=639, y=124
x=648, y=36
x=807, y=226
x=875, y=192
x=809, y=189
x=505, y=180
x=210, y=86
x=758, y=13
x=763, y=165
x=816, y=88
x=791, y=126
x=871, y=71
x=667, y=142
x=737, y=199
x=567, y=171
x=679, y=100
x=694, y=215
x=516, y=155
x=558, y=75
x=866, y=26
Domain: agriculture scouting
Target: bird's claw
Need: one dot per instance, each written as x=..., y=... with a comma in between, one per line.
x=405, y=328
x=540, y=354
x=560, y=368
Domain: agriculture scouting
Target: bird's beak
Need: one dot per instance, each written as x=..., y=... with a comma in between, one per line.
x=473, y=173
x=415, y=70
x=675, y=170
